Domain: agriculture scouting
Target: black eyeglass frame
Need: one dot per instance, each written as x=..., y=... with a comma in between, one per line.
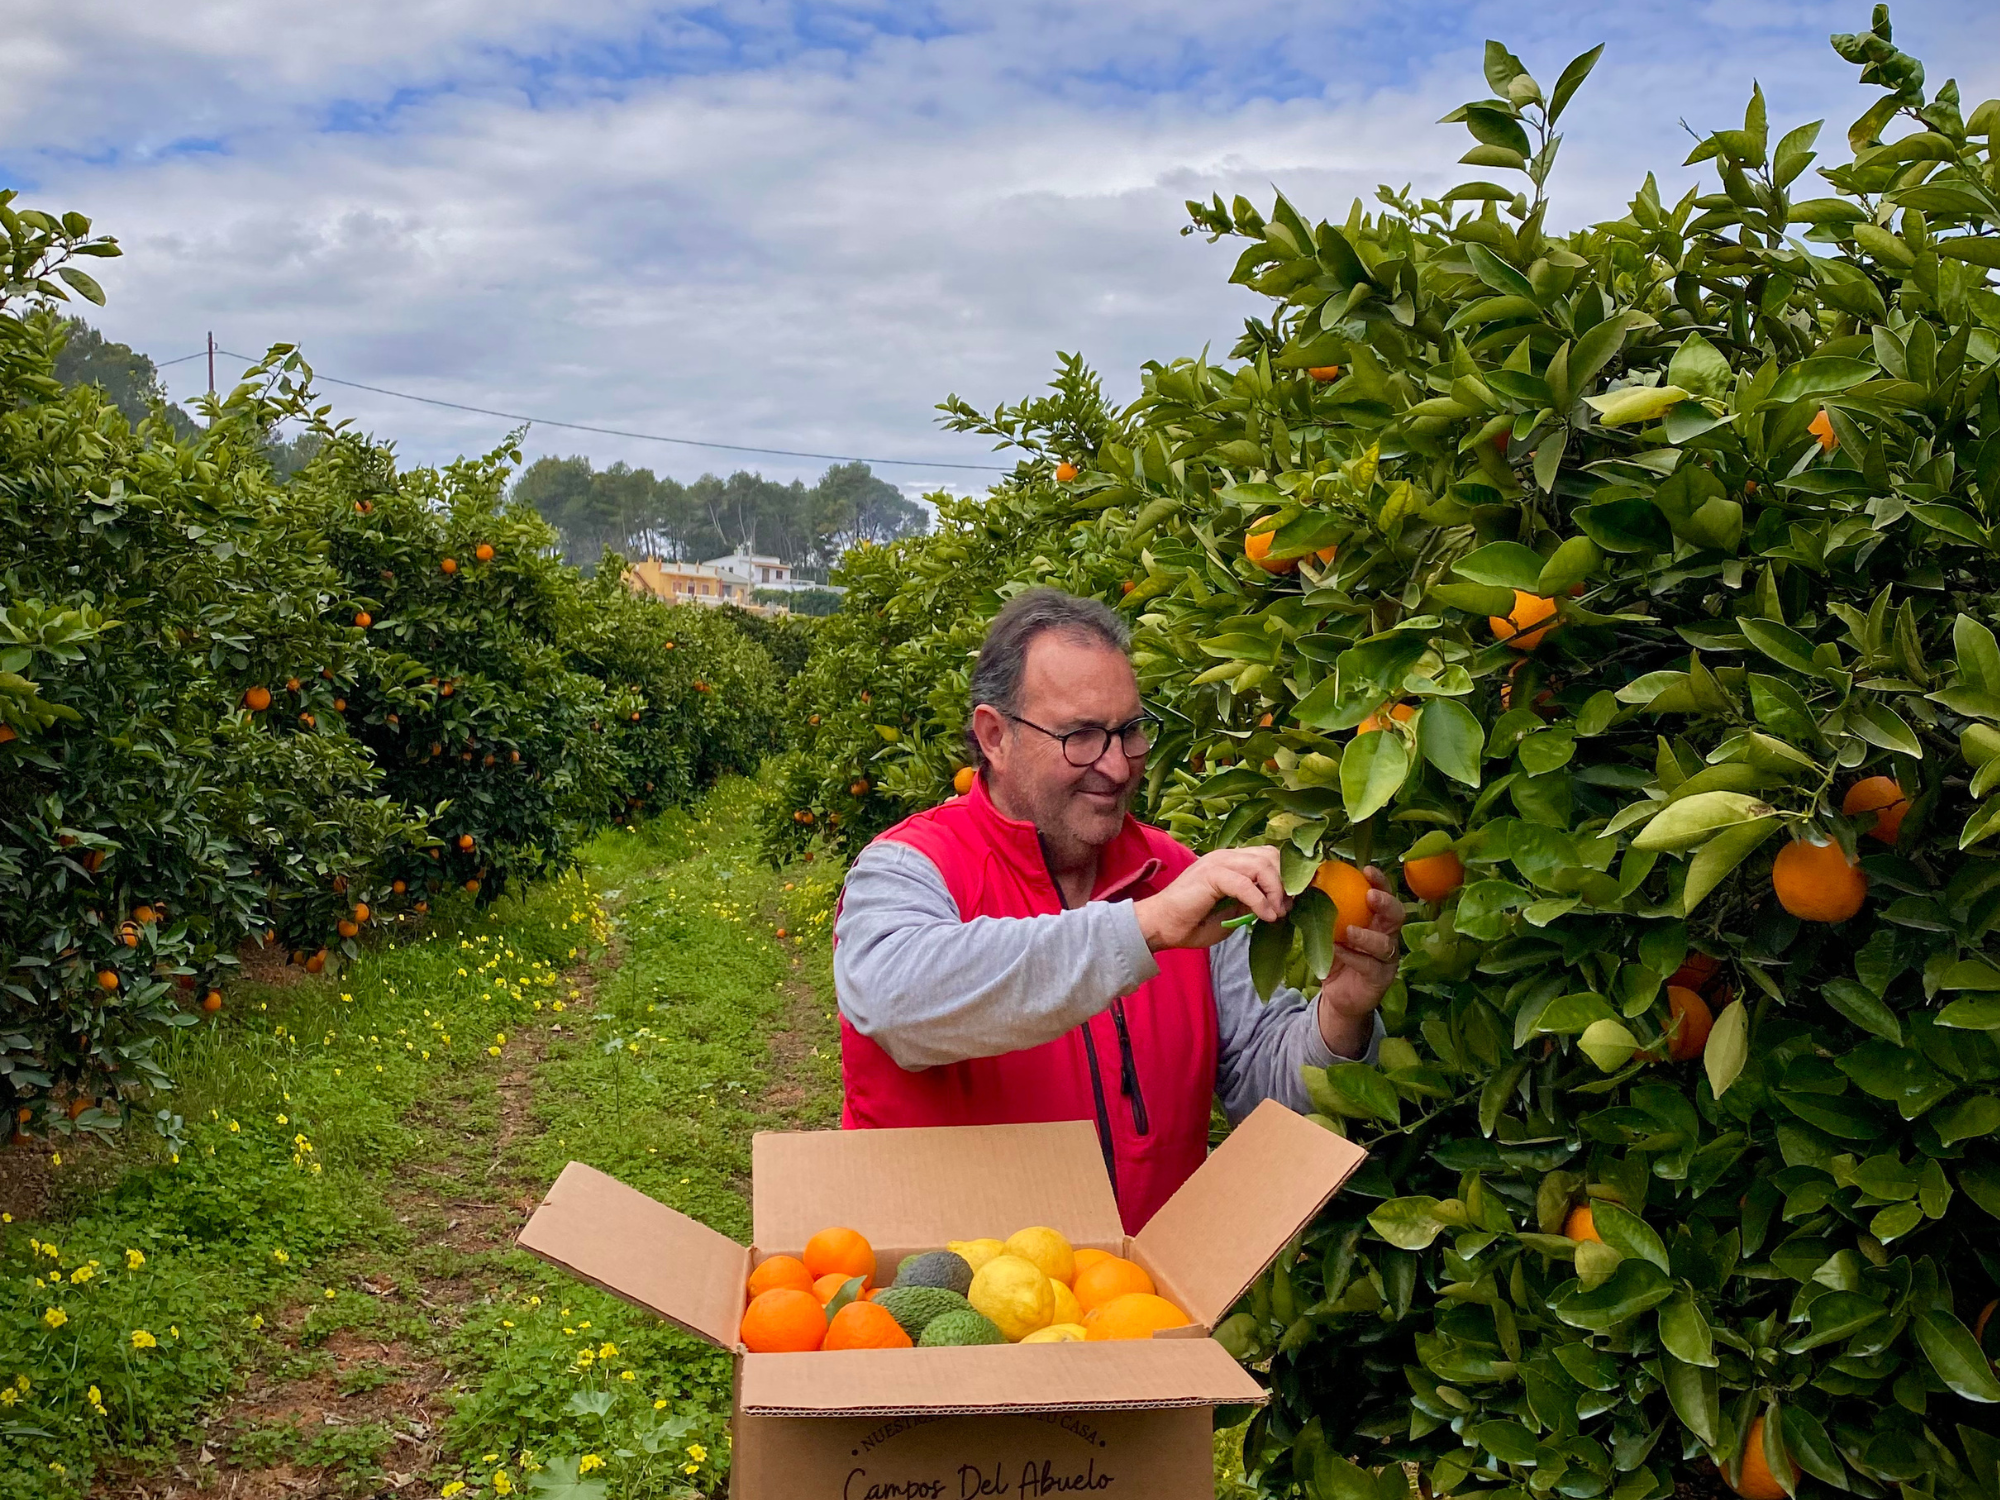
x=1119, y=732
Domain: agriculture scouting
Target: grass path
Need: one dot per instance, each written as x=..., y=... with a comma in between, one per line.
x=325, y=1274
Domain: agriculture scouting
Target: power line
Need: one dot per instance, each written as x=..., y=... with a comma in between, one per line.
x=644, y=437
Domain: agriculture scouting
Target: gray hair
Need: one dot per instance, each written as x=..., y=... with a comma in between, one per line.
x=1003, y=657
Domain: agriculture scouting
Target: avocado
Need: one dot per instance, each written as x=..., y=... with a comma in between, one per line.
x=955, y=1329
x=936, y=1268
x=916, y=1307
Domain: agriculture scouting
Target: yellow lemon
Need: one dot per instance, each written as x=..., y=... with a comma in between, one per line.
x=1015, y=1294
x=975, y=1253
x=1068, y=1309
x=1057, y=1333
x=1047, y=1249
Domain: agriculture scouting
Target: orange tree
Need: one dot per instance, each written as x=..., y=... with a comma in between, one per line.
x=1630, y=594
x=151, y=815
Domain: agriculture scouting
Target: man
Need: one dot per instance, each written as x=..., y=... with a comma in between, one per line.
x=1030, y=951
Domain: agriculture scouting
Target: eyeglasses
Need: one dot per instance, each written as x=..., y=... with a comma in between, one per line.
x=1086, y=746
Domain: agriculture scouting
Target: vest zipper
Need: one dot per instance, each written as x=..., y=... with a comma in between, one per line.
x=1128, y=1070
x=1104, y=1140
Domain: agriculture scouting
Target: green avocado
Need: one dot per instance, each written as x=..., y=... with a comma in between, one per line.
x=916, y=1307
x=955, y=1329
x=936, y=1268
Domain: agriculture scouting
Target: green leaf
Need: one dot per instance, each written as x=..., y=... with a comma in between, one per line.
x=1727, y=1048
x=1978, y=1115
x=1270, y=947
x=1609, y=1044
x=1692, y=820
x=1572, y=80
x=1974, y=1013
x=1883, y=727
x=83, y=283
x=1633, y=1288
x=1978, y=655
x=1494, y=271
x=1819, y=377
x=1696, y=1397
x=1700, y=368
x=1635, y=404
x=1721, y=854
x=1807, y=1441
x=1407, y=1223
x=1450, y=737
x=1373, y=769
x=558, y=1479
x=1683, y=1330
x=1949, y=1346
x=1972, y=250
x=1781, y=643
x=1861, y=1006
x=1361, y=1092
x=1570, y=564
x=1503, y=564
x=1628, y=1234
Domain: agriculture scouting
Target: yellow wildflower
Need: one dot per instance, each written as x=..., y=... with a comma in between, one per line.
x=55, y=1317
x=143, y=1340
x=588, y=1462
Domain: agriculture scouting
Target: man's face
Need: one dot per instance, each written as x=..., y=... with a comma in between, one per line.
x=1070, y=682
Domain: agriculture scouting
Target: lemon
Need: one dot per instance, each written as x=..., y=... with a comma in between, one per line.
x=975, y=1253
x=1047, y=1249
x=1015, y=1294
x=1057, y=1333
x=1068, y=1310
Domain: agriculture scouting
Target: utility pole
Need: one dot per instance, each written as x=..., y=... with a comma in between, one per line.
x=211, y=364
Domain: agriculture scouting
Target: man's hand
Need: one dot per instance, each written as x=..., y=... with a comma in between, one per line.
x=1364, y=968
x=1190, y=912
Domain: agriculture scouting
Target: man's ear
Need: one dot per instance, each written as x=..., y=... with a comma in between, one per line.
x=989, y=727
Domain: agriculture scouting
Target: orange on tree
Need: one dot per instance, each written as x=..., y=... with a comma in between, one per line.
x=863, y=1325
x=1517, y=628
x=291, y=684
x=1691, y=1020
x=1754, y=1479
x=1882, y=796
x=346, y=928
x=1395, y=713
x=858, y=788
x=363, y=620
x=1695, y=971
x=1348, y=889
x=1105, y=1279
x=472, y=886
x=212, y=1001
x=962, y=779
x=1257, y=547
x=107, y=979
x=465, y=841
x=317, y=962
x=449, y=565
x=1324, y=374
x=7, y=735
x=1434, y=876
x=783, y=1320
x=1582, y=1224
x=257, y=699
x=839, y=1249
x=1821, y=427
x=1066, y=471
x=780, y=1271
x=1136, y=1315
x=484, y=552
x=1817, y=883
x=361, y=911
x=397, y=887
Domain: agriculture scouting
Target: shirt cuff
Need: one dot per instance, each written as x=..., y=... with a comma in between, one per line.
x=1319, y=1055
x=1137, y=959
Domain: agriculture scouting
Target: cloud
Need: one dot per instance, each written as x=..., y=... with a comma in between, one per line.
x=799, y=225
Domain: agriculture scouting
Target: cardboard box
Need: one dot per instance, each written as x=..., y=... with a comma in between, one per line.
x=1128, y=1419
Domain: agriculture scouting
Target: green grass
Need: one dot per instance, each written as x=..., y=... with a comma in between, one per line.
x=328, y=1127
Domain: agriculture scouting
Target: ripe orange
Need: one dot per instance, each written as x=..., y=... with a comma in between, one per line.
x=1099, y=1281
x=397, y=887
x=1754, y=1479
x=1324, y=374
x=827, y=1287
x=1695, y=971
x=257, y=699
x=1136, y=1315
x=1882, y=796
x=783, y=1320
x=1348, y=889
x=317, y=962
x=857, y=788
x=421, y=907
x=1257, y=547
x=1398, y=713
x=1126, y=586
x=291, y=684
x=449, y=565
x=465, y=841
x=702, y=687
x=484, y=552
x=1084, y=1259
x=1434, y=876
x=1516, y=628
x=212, y=1001
x=346, y=928
x=363, y=620
x=781, y=1270
x=1066, y=471
x=7, y=735
x=308, y=720
x=445, y=690
x=1815, y=883
x=840, y=1250
x=863, y=1325
x=361, y=912
x=107, y=979
x=1979, y=1324
x=472, y=886
x=1821, y=427
x=128, y=934
x=962, y=779
x=1582, y=1224
x=1690, y=1014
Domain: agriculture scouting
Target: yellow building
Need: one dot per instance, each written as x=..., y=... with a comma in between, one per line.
x=690, y=583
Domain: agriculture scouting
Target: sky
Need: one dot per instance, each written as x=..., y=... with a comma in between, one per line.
x=801, y=225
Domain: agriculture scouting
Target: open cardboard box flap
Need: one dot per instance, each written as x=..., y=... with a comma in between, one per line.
x=1229, y=1221
x=1134, y=1375
x=914, y=1189
x=617, y=1238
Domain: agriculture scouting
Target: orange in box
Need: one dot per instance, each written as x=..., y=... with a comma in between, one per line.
x=1112, y=1418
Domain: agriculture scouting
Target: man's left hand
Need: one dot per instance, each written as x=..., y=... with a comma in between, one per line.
x=1364, y=968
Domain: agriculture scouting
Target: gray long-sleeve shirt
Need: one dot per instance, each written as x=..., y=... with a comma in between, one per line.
x=931, y=988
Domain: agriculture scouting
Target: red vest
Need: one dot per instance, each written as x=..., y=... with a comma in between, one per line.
x=1143, y=1070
